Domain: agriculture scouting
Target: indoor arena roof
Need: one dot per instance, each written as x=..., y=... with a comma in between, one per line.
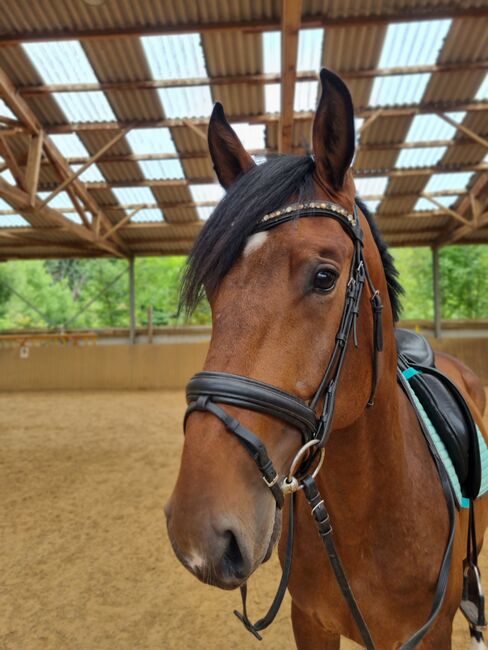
x=105, y=105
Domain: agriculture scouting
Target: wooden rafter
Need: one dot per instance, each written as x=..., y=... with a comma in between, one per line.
x=290, y=25
x=449, y=211
x=408, y=14
x=391, y=111
x=453, y=233
x=74, y=175
x=33, y=166
x=26, y=116
x=19, y=200
x=9, y=157
x=464, y=129
x=265, y=78
x=358, y=173
x=203, y=155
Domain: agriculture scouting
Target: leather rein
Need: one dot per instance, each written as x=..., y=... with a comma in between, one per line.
x=207, y=391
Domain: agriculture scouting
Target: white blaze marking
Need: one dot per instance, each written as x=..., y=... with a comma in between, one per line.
x=477, y=645
x=254, y=242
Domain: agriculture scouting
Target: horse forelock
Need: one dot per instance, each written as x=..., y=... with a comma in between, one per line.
x=264, y=188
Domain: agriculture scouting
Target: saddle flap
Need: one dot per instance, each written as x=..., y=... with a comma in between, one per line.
x=450, y=415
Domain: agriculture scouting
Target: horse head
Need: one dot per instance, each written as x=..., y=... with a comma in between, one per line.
x=278, y=296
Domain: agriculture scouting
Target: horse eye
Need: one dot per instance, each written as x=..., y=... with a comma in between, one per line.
x=325, y=280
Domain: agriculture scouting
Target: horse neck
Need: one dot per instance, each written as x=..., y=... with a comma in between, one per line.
x=368, y=459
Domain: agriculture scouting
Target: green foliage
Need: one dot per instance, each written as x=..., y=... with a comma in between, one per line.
x=464, y=281
x=95, y=293
x=91, y=293
x=415, y=267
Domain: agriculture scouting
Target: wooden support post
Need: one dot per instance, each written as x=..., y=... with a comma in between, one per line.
x=33, y=166
x=132, y=301
x=436, y=281
x=150, y=324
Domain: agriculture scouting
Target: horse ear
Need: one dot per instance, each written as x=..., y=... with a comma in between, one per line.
x=229, y=157
x=333, y=130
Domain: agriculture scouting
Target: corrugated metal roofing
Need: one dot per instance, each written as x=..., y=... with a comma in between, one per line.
x=122, y=63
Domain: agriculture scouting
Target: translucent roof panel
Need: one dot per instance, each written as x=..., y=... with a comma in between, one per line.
x=7, y=176
x=416, y=43
x=193, y=101
x=85, y=106
x=424, y=204
x=272, y=52
x=175, y=57
x=420, y=156
x=372, y=205
x=5, y=110
x=482, y=92
x=13, y=220
x=91, y=175
x=432, y=127
x=251, y=135
x=371, y=185
x=272, y=98
x=70, y=145
x=73, y=216
x=398, y=89
x=206, y=192
x=306, y=96
x=61, y=62
x=448, y=181
x=204, y=212
x=151, y=141
x=147, y=215
x=60, y=202
x=133, y=195
x=310, y=44
x=153, y=169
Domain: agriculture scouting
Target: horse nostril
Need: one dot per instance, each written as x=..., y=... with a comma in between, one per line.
x=233, y=560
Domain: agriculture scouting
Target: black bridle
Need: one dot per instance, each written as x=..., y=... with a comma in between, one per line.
x=207, y=391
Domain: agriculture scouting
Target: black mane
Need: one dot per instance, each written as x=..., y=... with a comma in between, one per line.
x=262, y=189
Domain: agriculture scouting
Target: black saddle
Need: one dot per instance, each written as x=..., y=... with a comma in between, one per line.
x=445, y=406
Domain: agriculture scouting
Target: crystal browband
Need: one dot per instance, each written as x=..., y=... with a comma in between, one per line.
x=310, y=205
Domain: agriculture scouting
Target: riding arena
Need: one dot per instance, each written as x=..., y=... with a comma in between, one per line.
x=243, y=324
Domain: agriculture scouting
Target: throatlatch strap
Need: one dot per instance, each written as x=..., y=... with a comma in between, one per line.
x=264, y=622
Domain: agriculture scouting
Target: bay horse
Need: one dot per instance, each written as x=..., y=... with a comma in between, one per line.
x=279, y=297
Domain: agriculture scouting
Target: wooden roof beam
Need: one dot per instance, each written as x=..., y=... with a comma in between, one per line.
x=408, y=14
x=26, y=116
x=33, y=167
x=251, y=79
x=437, y=203
x=73, y=176
x=464, y=129
x=202, y=155
x=19, y=200
x=290, y=26
x=365, y=112
x=453, y=233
